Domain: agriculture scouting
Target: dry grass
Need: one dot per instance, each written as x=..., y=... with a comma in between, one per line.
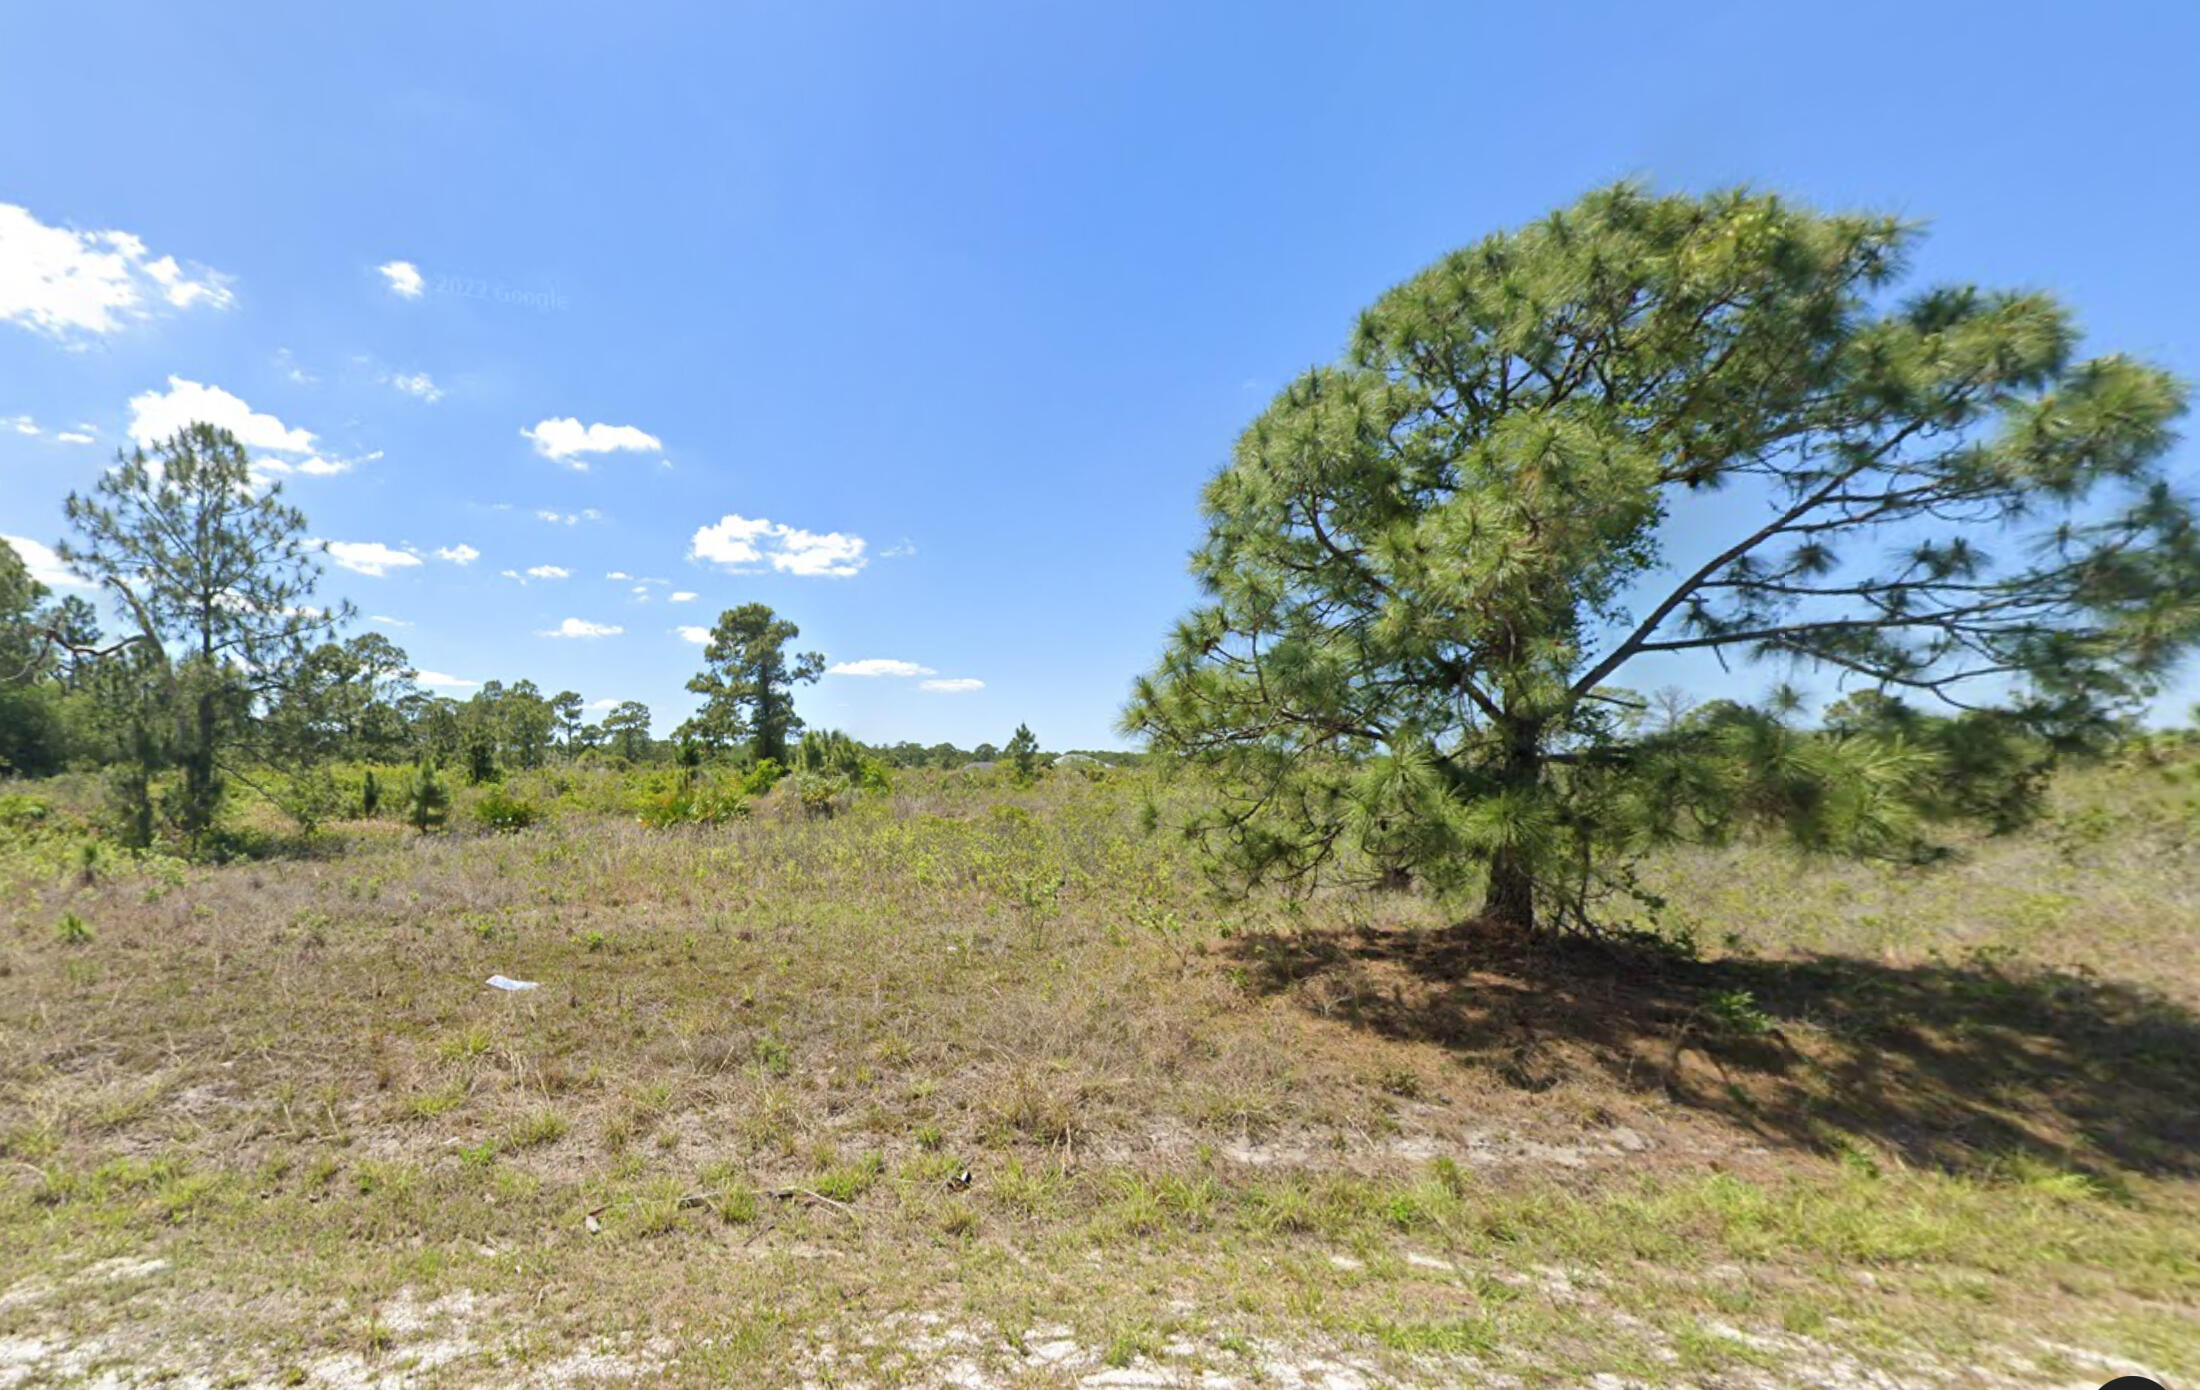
x=726, y=1140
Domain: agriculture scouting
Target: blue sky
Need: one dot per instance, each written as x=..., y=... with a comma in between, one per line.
x=987, y=289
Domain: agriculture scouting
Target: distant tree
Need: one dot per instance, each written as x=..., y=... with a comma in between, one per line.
x=1869, y=711
x=1023, y=751
x=565, y=707
x=343, y=699
x=217, y=575
x=628, y=727
x=905, y=754
x=73, y=626
x=434, y=725
x=1643, y=426
x=23, y=646
x=31, y=737
x=481, y=733
x=985, y=753
x=528, y=723
x=748, y=686
x=1669, y=707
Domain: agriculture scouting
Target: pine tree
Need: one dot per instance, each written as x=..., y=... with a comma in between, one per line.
x=427, y=802
x=1425, y=563
x=628, y=727
x=217, y=575
x=1023, y=752
x=749, y=683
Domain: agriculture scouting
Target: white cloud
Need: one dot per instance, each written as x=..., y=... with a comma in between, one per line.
x=581, y=627
x=439, y=678
x=898, y=550
x=953, y=685
x=567, y=439
x=557, y=518
x=418, y=384
x=804, y=552
x=388, y=621
x=739, y=542
x=879, y=666
x=74, y=437
x=549, y=572
x=44, y=565
x=605, y=704
x=315, y=467
x=22, y=424
x=371, y=558
x=700, y=636
x=618, y=574
x=157, y=415
x=404, y=278
x=684, y=596
x=458, y=554
x=62, y=282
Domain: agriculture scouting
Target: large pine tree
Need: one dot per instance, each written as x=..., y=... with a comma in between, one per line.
x=1648, y=425
x=216, y=575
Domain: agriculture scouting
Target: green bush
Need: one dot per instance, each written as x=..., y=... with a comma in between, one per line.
x=691, y=800
x=21, y=812
x=819, y=793
x=502, y=812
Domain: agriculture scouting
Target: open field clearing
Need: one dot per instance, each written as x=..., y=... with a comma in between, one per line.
x=1099, y=697
x=978, y=1085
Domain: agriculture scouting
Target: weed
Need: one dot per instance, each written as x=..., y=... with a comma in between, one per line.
x=537, y=1128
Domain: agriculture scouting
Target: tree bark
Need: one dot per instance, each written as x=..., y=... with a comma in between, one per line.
x=198, y=770
x=1509, y=902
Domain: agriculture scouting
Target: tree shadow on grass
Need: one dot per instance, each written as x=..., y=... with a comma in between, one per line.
x=1954, y=1065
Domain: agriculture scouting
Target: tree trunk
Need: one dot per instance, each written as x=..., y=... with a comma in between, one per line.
x=1509, y=902
x=198, y=771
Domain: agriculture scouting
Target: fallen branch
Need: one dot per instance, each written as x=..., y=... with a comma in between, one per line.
x=816, y=1198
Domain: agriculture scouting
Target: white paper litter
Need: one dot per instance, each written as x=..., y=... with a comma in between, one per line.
x=505, y=982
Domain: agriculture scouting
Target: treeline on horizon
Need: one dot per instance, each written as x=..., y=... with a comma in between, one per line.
x=73, y=698
x=234, y=684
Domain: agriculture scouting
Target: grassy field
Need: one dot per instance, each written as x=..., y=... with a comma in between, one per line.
x=975, y=1084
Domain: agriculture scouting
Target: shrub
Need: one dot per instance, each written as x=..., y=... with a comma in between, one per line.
x=502, y=812
x=692, y=801
x=21, y=812
x=819, y=793
x=762, y=777
x=311, y=798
